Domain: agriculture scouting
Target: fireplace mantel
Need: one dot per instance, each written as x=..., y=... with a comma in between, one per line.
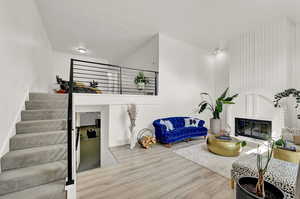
x=256, y=106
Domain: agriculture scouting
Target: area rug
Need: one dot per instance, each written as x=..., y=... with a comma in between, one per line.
x=199, y=154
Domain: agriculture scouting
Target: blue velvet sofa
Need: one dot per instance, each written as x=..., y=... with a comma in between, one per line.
x=179, y=133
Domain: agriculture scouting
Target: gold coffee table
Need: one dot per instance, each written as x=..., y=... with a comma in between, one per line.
x=229, y=148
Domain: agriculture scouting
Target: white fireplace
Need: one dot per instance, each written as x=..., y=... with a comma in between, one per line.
x=256, y=106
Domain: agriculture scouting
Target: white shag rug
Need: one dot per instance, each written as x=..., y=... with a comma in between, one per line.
x=199, y=154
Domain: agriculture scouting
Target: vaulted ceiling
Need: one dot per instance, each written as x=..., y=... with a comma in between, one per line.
x=113, y=28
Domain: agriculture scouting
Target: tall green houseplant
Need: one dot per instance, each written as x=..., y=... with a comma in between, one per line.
x=216, y=107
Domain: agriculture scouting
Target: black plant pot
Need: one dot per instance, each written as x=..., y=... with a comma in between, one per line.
x=243, y=193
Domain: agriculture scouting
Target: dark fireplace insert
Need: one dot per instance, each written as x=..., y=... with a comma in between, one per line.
x=259, y=129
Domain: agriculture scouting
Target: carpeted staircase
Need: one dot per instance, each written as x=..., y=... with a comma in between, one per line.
x=36, y=167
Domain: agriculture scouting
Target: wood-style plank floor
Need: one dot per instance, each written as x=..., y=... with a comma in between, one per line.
x=151, y=174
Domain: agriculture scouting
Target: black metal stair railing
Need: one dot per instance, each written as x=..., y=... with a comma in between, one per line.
x=101, y=78
x=70, y=179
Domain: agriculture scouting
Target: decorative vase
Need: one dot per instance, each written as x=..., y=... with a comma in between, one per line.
x=215, y=126
x=250, y=182
x=141, y=85
x=133, y=137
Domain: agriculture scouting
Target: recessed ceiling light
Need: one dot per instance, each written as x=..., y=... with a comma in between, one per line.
x=81, y=50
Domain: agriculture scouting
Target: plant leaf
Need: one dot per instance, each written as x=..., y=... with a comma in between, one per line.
x=228, y=102
x=204, y=94
x=202, y=103
x=219, y=106
x=223, y=94
x=243, y=143
x=231, y=98
x=203, y=107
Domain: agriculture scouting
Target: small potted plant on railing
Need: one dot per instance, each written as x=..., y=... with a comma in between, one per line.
x=258, y=188
x=141, y=81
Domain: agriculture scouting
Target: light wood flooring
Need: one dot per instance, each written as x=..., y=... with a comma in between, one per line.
x=151, y=174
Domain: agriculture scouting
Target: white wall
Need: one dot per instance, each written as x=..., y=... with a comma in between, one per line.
x=184, y=72
x=294, y=76
x=145, y=57
x=61, y=63
x=26, y=61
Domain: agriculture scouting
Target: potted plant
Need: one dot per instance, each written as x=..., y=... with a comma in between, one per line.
x=288, y=93
x=141, y=81
x=258, y=188
x=216, y=108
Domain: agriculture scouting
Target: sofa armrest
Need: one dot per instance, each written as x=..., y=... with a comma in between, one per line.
x=160, y=130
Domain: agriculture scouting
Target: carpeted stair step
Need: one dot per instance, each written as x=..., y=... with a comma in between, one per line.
x=21, y=179
x=29, y=140
x=54, y=190
x=30, y=115
x=33, y=156
x=45, y=104
x=47, y=96
x=40, y=126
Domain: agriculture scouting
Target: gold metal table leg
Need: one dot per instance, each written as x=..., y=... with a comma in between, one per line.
x=232, y=183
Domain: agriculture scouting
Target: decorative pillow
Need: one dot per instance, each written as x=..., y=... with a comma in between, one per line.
x=168, y=124
x=191, y=122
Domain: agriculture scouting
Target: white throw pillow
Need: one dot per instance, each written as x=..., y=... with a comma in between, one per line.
x=168, y=124
x=191, y=122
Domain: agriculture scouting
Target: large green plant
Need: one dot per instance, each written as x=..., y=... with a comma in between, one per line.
x=217, y=107
x=288, y=93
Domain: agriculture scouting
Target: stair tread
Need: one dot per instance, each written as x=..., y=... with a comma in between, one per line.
x=36, y=126
x=47, y=101
x=40, y=192
x=37, y=121
x=37, y=139
x=24, y=178
x=25, y=135
x=33, y=156
x=43, y=110
x=23, y=152
x=47, y=96
x=39, y=93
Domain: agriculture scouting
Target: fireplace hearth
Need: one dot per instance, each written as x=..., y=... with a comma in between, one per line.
x=258, y=129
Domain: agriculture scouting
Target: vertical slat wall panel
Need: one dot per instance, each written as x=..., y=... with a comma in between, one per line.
x=259, y=59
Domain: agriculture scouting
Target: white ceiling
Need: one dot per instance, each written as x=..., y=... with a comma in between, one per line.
x=112, y=28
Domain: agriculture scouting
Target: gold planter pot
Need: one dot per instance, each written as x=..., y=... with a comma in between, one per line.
x=228, y=148
x=286, y=155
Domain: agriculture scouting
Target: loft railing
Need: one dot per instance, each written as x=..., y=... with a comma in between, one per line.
x=93, y=77
x=100, y=78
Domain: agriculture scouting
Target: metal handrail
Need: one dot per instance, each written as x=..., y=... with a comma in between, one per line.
x=70, y=179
